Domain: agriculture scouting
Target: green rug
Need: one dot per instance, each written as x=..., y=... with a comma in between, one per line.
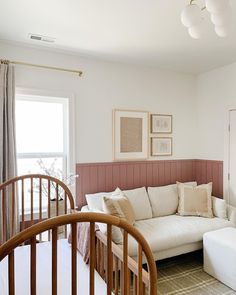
x=185, y=275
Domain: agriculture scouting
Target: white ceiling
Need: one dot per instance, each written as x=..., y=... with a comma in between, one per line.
x=137, y=31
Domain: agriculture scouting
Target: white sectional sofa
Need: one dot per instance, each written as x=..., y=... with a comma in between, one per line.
x=167, y=233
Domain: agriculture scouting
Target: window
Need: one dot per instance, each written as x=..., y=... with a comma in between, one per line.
x=42, y=139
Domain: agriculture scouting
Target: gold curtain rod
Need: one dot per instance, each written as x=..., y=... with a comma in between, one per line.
x=47, y=67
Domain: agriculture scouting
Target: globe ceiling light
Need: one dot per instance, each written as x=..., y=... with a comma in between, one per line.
x=222, y=31
x=191, y=15
x=220, y=14
x=222, y=19
x=216, y=6
x=196, y=32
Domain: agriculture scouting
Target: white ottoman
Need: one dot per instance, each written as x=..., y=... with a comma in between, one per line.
x=220, y=255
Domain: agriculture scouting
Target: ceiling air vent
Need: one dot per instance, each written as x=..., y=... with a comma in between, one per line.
x=41, y=38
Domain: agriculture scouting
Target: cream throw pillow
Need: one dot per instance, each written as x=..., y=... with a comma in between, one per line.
x=118, y=205
x=195, y=201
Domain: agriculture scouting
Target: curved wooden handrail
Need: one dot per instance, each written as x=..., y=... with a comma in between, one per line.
x=30, y=233
x=42, y=176
x=32, y=188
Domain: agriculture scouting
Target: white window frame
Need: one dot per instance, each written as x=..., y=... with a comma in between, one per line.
x=68, y=100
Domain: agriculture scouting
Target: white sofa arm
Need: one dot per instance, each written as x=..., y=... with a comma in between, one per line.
x=85, y=209
x=232, y=214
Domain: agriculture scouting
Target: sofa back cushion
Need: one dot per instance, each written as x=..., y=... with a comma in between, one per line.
x=95, y=201
x=140, y=202
x=164, y=199
x=219, y=208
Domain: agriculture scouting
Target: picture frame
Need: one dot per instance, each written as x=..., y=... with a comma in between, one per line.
x=161, y=146
x=161, y=124
x=130, y=134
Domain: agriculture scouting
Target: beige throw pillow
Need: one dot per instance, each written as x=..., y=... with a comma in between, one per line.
x=195, y=201
x=118, y=205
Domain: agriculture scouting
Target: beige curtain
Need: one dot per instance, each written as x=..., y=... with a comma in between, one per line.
x=7, y=137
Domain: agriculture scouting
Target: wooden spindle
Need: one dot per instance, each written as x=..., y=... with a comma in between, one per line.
x=92, y=258
x=140, y=270
x=125, y=262
x=135, y=285
x=102, y=259
x=13, y=215
x=22, y=204
x=33, y=266
x=116, y=276
x=128, y=281
x=57, y=199
x=54, y=261
x=109, y=260
x=74, y=258
x=11, y=273
x=32, y=200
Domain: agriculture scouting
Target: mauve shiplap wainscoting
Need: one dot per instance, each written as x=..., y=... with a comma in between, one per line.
x=98, y=177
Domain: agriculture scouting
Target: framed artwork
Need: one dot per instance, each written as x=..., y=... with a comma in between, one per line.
x=161, y=146
x=130, y=134
x=161, y=123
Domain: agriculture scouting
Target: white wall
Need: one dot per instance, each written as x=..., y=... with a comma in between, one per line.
x=216, y=94
x=107, y=85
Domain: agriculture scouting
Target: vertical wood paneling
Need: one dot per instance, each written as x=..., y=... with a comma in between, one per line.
x=116, y=176
x=143, y=174
x=173, y=172
x=93, y=177
x=99, y=177
x=130, y=176
x=136, y=172
x=155, y=175
x=108, y=176
x=161, y=173
x=123, y=177
x=178, y=170
x=221, y=181
x=210, y=171
x=149, y=176
x=167, y=173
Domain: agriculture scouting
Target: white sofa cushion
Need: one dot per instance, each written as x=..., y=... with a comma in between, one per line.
x=140, y=202
x=95, y=201
x=164, y=199
x=219, y=207
x=172, y=231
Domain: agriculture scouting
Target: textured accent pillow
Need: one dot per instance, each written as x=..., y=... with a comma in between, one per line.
x=140, y=202
x=219, y=208
x=118, y=205
x=195, y=201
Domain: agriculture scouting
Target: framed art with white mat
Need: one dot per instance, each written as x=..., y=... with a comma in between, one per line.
x=161, y=123
x=130, y=135
x=161, y=146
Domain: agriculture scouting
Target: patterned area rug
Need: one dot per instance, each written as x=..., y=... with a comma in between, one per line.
x=185, y=275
